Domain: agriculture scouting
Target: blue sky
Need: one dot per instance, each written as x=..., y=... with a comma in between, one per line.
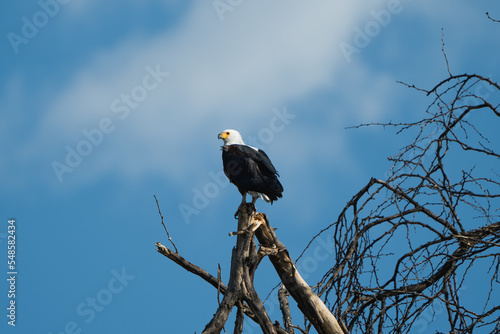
x=105, y=105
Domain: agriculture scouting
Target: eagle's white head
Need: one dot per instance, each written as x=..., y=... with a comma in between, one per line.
x=231, y=137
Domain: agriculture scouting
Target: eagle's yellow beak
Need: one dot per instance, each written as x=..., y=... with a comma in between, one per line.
x=223, y=135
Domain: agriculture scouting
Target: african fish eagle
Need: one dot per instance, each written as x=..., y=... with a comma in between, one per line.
x=249, y=168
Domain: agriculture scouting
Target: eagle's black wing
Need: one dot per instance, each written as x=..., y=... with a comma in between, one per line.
x=251, y=170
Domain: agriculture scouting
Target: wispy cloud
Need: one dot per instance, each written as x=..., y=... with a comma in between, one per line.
x=222, y=73
x=231, y=70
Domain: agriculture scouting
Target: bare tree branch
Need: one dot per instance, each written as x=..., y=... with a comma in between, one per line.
x=307, y=301
x=164, y=226
x=444, y=52
x=285, y=309
x=191, y=267
x=219, y=279
x=432, y=221
x=238, y=324
x=492, y=19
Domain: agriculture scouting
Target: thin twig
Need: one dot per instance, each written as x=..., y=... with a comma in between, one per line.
x=300, y=329
x=444, y=52
x=162, y=222
x=218, y=285
x=488, y=15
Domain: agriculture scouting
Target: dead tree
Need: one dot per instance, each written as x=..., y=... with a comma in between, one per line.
x=240, y=291
x=405, y=247
x=408, y=248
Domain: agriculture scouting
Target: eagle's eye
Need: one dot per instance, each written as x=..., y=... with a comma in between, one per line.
x=227, y=133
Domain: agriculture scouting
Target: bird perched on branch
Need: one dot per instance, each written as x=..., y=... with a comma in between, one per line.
x=249, y=169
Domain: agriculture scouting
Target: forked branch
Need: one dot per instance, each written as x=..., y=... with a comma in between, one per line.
x=240, y=291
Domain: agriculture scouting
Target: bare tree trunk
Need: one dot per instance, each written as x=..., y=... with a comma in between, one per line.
x=240, y=291
x=240, y=287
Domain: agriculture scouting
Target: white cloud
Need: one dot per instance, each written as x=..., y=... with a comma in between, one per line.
x=262, y=55
x=220, y=72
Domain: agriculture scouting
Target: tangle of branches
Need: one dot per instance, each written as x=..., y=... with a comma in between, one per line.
x=422, y=247
x=418, y=251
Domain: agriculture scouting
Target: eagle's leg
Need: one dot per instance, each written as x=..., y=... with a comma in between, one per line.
x=243, y=202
